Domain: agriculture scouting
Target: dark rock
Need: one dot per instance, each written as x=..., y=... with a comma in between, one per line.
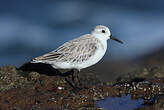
x=31, y=90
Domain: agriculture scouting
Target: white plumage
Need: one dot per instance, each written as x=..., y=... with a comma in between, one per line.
x=79, y=53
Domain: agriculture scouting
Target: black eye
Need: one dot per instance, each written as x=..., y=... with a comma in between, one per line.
x=103, y=31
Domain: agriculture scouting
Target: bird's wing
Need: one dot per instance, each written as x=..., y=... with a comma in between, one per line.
x=76, y=50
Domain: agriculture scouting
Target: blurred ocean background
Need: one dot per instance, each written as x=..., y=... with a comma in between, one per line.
x=33, y=27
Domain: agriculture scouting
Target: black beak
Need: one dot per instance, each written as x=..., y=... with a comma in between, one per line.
x=113, y=38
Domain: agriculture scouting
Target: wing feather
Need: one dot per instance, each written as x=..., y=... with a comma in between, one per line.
x=77, y=50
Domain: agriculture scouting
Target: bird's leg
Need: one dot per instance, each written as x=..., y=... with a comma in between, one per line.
x=73, y=79
x=74, y=75
x=79, y=82
x=78, y=78
x=72, y=85
x=74, y=82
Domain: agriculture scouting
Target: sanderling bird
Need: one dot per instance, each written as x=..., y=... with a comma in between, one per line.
x=81, y=52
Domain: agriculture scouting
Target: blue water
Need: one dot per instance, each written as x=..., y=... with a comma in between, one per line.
x=32, y=28
x=120, y=103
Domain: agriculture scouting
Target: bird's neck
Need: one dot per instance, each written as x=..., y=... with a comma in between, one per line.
x=101, y=37
x=102, y=41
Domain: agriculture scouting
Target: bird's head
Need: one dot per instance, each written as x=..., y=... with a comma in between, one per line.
x=103, y=31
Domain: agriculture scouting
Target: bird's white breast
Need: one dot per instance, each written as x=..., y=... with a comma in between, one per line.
x=95, y=58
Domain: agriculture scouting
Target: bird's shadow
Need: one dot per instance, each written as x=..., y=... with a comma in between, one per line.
x=50, y=71
x=43, y=69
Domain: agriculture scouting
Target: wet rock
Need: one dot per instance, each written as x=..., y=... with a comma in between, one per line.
x=31, y=90
x=33, y=76
x=157, y=105
x=42, y=91
x=11, y=78
x=142, y=74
